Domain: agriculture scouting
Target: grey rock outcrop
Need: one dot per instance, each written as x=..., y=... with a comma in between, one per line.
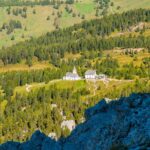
x=38, y=141
x=120, y=124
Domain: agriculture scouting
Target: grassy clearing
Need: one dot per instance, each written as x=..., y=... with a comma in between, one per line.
x=101, y=89
x=37, y=24
x=85, y=7
x=134, y=4
x=60, y=84
x=24, y=67
x=128, y=4
x=145, y=32
x=127, y=59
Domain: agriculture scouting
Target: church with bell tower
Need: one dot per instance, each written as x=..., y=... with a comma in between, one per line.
x=72, y=75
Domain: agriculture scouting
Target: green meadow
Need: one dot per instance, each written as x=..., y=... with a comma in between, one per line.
x=37, y=24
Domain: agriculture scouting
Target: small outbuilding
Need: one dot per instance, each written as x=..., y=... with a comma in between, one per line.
x=90, y=74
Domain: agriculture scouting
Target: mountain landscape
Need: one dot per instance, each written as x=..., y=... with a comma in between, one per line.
x=74, y=74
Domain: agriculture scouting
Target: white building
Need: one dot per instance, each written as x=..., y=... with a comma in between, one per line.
x=72, y=75
x=90, y=74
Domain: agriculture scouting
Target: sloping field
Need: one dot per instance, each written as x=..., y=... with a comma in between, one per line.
x=43, y=19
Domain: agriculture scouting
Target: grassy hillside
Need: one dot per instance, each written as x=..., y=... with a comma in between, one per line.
x=129, y=4
x=42, y=19
x=38, y=23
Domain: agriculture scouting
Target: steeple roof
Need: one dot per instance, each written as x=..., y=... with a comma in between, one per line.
x=74, y=70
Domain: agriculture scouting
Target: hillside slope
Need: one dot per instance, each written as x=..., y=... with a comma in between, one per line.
x=109, y=125
x=85, y=36
x=37, y=17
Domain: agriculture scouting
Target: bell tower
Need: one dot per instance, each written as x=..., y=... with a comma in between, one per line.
x=74, y=70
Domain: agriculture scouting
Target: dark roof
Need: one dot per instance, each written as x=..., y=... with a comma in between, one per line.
x=90, y=72
x=70, y=74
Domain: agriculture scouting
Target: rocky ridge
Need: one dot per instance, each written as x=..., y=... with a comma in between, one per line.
x=119, y=124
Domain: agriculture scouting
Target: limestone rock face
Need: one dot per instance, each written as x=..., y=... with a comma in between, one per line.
x=70, y=124
x=123, y=123
x=38, y=141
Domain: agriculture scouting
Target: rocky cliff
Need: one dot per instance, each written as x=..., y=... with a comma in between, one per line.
x=119, y=124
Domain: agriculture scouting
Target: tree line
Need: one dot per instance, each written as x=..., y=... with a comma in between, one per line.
x=11, y=26
x=21, y=78
x=32, y=3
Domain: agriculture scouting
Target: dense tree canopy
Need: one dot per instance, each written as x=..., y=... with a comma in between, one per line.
x=27, y=112
x=34, y=2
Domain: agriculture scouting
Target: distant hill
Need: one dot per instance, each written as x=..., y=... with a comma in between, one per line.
x=39, y=17
x=89, y=35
